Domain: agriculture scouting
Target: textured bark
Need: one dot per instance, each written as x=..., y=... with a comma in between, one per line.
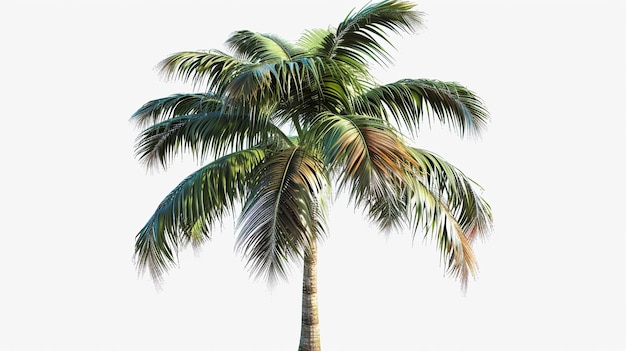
x=310, y=331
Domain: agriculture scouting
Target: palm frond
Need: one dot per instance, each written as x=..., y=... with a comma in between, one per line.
x=389, y=210
x=260, y=48
x=366, y=155
x=206, y=134
x=158, y=110
x=444, y=203
x=312, y=41
x=332, y=88
x=211, y=69
x=188, y=212
x=409, y=100
x=357, y=39
x=459, y=191
x=283, y=213
x=259, y=86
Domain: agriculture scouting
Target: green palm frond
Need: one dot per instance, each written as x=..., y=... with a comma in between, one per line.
x=312, y=41
x=333, y=88
x=189, y=211
x=336, y=96
x=408, y=100
x=260, y=48
x=261, y=85
x=206, y=134
x=356, y=39
x=444, y=203
x=284, y=212
x=213, y=69
x=159, y=110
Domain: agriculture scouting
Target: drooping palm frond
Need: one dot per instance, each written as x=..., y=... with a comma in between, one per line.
x=460, y=192
x=436, y=219
x=158, y=110
x=389, y=210
x=408, y=101
x=283, y=213
x=192, y=208
x=205, y=135
x=357, y=39
x=444, y=204
x=364, y=153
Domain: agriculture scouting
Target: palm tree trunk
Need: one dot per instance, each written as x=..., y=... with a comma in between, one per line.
x=310, y=331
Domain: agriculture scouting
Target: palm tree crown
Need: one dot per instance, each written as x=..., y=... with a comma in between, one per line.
x=287, y=125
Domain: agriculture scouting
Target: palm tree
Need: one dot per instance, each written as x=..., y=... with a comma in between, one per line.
x=286, y=126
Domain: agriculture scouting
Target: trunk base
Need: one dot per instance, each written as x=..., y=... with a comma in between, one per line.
x=310, y=331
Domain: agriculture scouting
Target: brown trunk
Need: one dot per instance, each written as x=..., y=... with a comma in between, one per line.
x=310, y=330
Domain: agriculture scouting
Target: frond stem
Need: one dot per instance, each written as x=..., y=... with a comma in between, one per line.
x=298, y=127
x=282, y=135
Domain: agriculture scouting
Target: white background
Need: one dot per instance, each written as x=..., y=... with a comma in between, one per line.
x=552, y=274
